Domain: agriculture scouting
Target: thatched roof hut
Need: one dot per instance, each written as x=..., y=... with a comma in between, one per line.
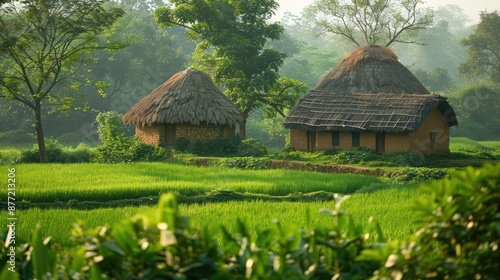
x=188, y=99
x=188, y=96
x=368, y=91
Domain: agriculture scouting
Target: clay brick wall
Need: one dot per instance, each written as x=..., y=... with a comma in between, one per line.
x=199, y=132
x=155, y=134
x=368, y=140
x=149, y=134
x=345, y=142
x=229, y=132
x=298, y=139
x=323, y=140
x=395, y=142
x=419, y=141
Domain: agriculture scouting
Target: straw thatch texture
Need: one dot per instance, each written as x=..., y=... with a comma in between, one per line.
x=188, y=96
x=371, y=69
x=380, y=112
x=368, y=90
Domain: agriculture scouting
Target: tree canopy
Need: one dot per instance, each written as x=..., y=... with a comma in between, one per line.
x=41, y=42
x=483, y=49
x=381, y=22
x=232, y=37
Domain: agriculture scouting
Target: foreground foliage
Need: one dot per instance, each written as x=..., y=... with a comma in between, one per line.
x=458, y=241
x=461, y=237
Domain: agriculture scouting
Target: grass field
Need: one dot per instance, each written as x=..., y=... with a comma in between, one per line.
x=104, y=182
x=462, y=143
x=391, y=208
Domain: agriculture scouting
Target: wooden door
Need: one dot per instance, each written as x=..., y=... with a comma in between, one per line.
x=311, y=141
x=380, y=142
x=170, y=134
x=432, y=146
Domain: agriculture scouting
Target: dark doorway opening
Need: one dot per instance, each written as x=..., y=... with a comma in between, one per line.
x=380, y=142
x=432, y=147
x=311, y=141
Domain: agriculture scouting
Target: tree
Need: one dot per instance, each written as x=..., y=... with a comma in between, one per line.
x=42, y=46
x=436, y=80
x=145, y=6
x=483, y=49
x=232, y=37
x=152, y=56
x=372, y=21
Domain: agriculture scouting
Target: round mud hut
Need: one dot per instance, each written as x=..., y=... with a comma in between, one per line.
x=371, y=100
x=189, y=106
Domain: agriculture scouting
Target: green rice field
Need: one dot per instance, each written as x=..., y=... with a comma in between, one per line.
x=105, y=182
x=462, y=143
x=391, y=207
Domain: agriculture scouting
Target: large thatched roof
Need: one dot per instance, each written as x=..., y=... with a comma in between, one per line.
x=368, y=90
x=188, y=96
x=371, y=68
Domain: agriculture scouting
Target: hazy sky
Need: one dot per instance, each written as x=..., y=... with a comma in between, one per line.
x=470, y=7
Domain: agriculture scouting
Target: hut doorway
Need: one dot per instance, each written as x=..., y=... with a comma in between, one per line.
x=432, y=146
x=311, y=141
x=380, y=142
x=170, y=134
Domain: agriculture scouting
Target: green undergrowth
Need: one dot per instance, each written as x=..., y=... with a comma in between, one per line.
x=369, y=158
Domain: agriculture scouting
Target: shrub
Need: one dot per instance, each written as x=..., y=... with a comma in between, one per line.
x=116, y=147
x=53, y=148
x=221, y=147
x=417, y=175
x=82, y=153
x=9, y=156
x=246, y=163
x=57, y=153
x=182, y=144
x=460, y=239
x=251, y=147
x=289, y=154
x=357, y=156
x=407, y=159
x=129, y=150
x=216, y=147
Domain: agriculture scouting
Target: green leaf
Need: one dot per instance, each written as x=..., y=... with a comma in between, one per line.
x=96, y=273
x=78, y=260
x=39, y=255
x=167, y=210
x=111, y=245
x=8, y=274
x=265, y=237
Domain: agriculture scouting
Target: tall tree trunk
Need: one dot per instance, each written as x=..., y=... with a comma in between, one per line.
x=39, y=132
x=243, y=126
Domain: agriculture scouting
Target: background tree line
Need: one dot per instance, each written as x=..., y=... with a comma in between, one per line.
x=451, y=59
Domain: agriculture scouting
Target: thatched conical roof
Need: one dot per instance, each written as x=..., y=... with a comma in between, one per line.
x=368, y=90
x=371, y=68
x=188, y=96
